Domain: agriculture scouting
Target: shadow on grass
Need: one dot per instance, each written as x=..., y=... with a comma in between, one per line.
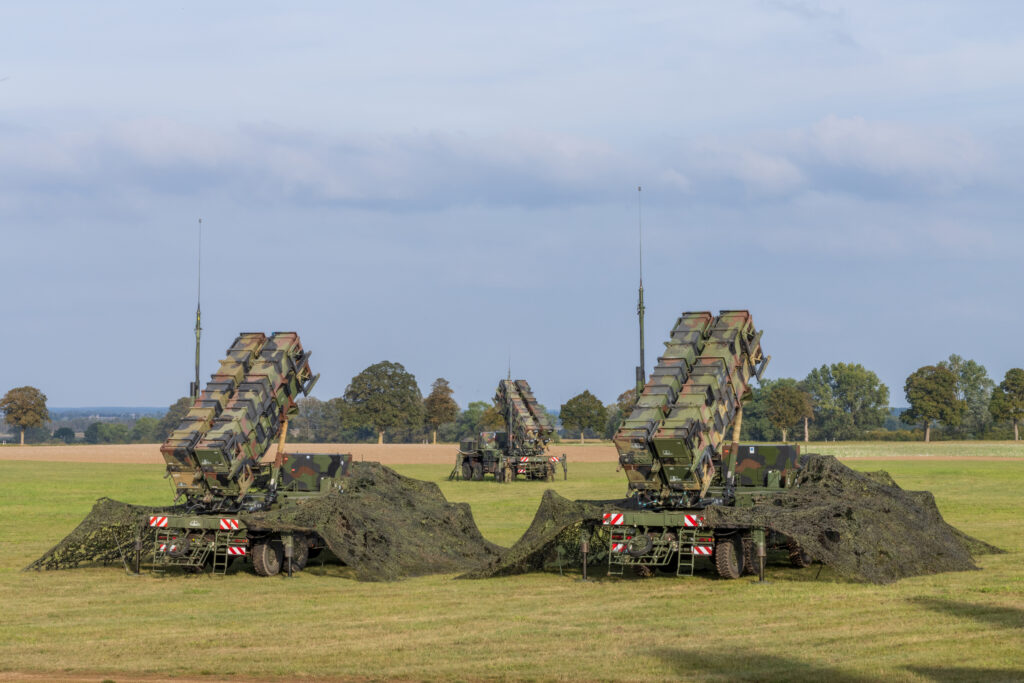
x=966, y=674
x=1001, y=617
x=749, y=666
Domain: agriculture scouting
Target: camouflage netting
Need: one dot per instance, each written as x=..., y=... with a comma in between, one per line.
x=106, y=535
x=863, y=526
x=384, y=526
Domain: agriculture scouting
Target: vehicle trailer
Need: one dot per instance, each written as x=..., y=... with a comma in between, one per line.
x=198, y=541
x=214, y=462
x=521, y=450
x=679, y=465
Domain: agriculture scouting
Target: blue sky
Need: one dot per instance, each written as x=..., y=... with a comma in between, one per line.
x=450, y=184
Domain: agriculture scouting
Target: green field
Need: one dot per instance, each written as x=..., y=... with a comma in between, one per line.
x=101, y=623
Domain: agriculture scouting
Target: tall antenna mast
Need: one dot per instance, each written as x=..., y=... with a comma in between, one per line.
x=641, y=376
x=194, y=389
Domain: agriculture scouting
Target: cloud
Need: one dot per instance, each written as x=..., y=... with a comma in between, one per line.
x=256, y=163
x=931, y=160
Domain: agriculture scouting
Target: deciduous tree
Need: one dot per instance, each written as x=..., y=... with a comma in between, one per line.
x=848, y=398
x=25, y=407
x=1008, y=400
x=169, y=422
x=931, y=392
x=144, y=430
x=439, y=406
x=65, y=434
x=385, y=396
x=583, y=411
x=787, y=405
x=974, y=388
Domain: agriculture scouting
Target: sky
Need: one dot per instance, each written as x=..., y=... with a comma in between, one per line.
x=453, y=186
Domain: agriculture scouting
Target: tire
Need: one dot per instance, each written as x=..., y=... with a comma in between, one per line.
x=478, y=472
x=640, y=545
x=467, y=470
x=798, y=557
x=182, y=548
x=267, y=557
x=729, y=557
x=300, y=553
x=749, y=555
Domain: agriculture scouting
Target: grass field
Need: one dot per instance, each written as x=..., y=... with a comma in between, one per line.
x=97, y=623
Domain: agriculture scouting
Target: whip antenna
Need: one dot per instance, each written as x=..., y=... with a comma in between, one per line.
x=194, y=389
x=640, y=373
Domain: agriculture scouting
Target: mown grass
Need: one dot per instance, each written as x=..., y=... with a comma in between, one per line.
x=959, y=626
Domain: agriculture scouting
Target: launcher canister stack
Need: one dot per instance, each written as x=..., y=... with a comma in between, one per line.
x=671, y=445
x=529, y=429
x=216, y=449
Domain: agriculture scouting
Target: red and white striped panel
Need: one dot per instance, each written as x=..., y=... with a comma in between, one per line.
x=521, y=471
x=701, y=550
x=692, y=520
x=232, y=550
x=160, y=522
x=612, y=518
x=229, y=524
x=618, y=547
x=553, y=458
x=164, y=548
x=524, y=459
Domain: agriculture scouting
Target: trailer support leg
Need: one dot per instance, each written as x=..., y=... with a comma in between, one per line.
x=757, y=535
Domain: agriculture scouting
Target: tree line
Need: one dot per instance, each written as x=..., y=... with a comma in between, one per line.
x=952, y=399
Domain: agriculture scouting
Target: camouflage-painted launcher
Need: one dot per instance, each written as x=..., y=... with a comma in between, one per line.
x=529, y=429
x=216, y=449
x=671, y=445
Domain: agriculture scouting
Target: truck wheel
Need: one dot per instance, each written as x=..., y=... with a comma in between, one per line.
x=467, y=471
x=300, y=553
x=478, y=472
x=798, y=557
x=729, y=557
x=267, y=557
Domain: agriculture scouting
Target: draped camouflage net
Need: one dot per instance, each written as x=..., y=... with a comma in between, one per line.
x=386, y=527
x=383, y=526
x=106, y=535
x=863, y=526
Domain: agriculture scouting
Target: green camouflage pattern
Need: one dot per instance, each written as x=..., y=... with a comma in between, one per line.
x=520, y=450
x=528, y=427
x=671, y=445
x=309, y=471
x=216, y=450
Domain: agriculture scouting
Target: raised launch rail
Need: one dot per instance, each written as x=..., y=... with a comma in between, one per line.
x=671, y=445
x=216, y=449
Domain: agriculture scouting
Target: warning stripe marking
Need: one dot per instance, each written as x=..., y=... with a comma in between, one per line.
x=553, y=458
x=618, y=547
x=524, y=459
x=164, y=548
x=701, y=550
x=692, y=520
x=612, y=518
x=229, y=524
x=521, y=471
x=232, y=550
x=160, y=522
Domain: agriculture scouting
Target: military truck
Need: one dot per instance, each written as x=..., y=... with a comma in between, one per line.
x=214, y=463
x=520, y=450
x=679, y=461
